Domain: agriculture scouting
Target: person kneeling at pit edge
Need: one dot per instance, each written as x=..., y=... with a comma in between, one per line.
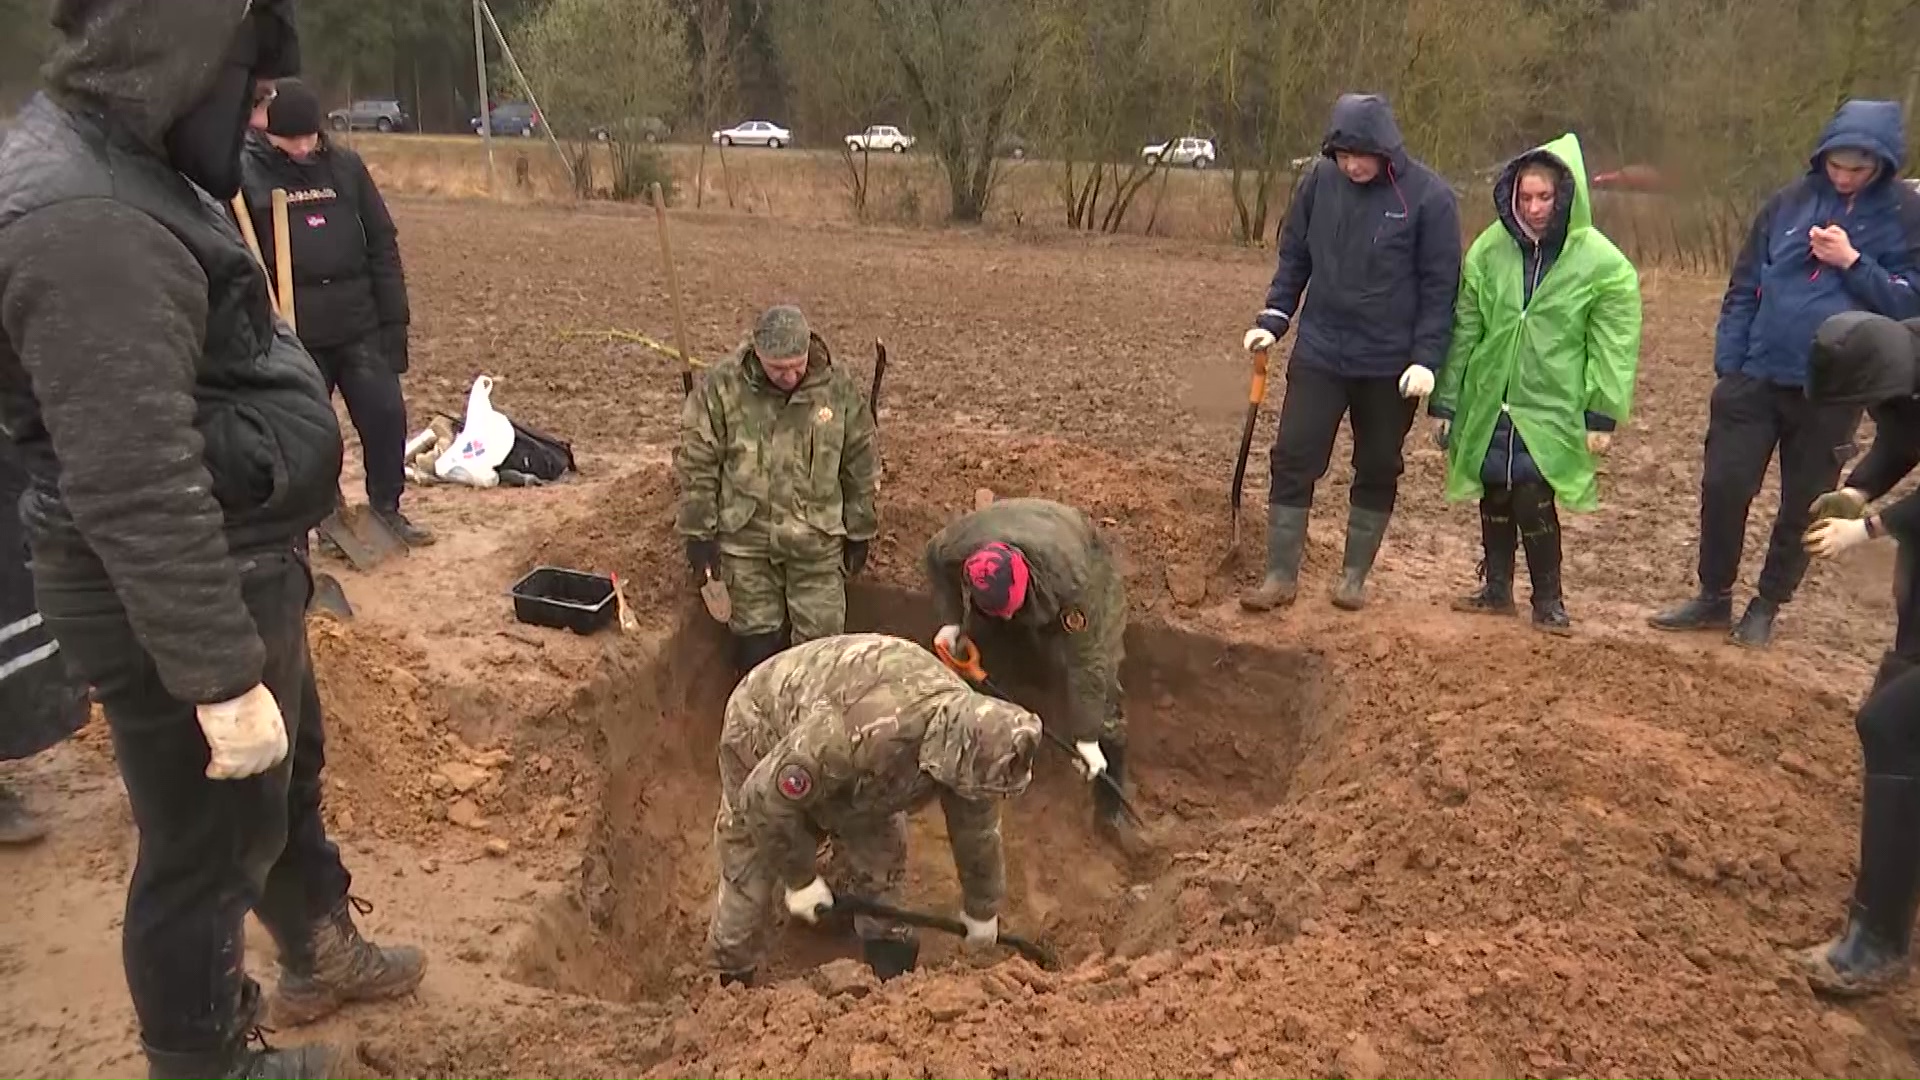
x=839, y=739
x=777, y=474
x=1033, y=574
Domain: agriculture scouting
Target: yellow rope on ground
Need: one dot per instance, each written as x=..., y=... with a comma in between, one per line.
x=635, y=338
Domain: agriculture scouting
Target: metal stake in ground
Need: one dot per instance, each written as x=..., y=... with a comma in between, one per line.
x=1255, y=395
x=673, y=290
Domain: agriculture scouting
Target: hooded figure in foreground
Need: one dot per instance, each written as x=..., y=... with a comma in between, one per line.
x=839, y=739
x=178, y=445
x=1546, y=343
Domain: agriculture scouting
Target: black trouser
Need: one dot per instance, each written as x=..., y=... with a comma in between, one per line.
x=1309, y=420
x=1889, y=727
x=1747, y=418
x=365, y=378
x=210, y=850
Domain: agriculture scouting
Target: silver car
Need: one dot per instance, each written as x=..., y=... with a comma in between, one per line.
x=755, y=133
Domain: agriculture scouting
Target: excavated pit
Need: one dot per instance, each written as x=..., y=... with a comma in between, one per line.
x=1216, y=731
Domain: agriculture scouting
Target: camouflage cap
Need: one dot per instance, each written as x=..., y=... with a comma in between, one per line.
x=996, y=741
x=781, y=332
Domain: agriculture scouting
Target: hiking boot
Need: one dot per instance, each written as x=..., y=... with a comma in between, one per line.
x=248, y=1056
x=1551, y=616
x=1499, y=539
x=1286, y=540
x=414, y=536
x=1755, y=630
x=1494, y=597
x=19, y=826
x=335, y=965
x=1365, y=530
x=890, y=957
x=1870, y=956
x=1704, y=612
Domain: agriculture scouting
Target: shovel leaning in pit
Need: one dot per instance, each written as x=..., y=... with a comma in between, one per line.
x=718, y=600
x=1038, y=952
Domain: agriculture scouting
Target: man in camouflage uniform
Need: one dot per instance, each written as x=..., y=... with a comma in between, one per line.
x=1034, y=576
x=839, y=739
x=777, y=470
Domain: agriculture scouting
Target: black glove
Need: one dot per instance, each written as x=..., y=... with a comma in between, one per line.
x=393, y=342
x=703, y=556
x=855, y=556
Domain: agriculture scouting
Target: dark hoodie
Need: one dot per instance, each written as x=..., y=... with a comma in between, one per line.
x=1859, y=359
x=1383, y=258
x=1779, y=294
x=174, y=432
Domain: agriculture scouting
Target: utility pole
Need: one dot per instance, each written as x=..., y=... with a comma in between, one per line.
x=486, y=105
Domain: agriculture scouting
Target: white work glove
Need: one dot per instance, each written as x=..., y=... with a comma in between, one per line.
x=808, y=902
x=1442, y=431
x=1846, y=503
x=1835, y=535
x=1092, y=761
x=1416, y=382
x=1257, y=339
x=949, y=639
x=980, y=932
x=1599, y=442
x=245, y=736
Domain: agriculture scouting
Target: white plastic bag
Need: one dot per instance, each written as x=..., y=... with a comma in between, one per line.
x=483, y=443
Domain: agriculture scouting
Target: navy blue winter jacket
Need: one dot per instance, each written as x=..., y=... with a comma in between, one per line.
x=1780, y=294
x=1383, y=257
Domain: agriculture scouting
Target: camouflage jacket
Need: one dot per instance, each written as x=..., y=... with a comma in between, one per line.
x=1076, y=601
x=845, y=730
x=774, y=473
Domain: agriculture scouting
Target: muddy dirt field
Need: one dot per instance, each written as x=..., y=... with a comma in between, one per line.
x=1402, y=841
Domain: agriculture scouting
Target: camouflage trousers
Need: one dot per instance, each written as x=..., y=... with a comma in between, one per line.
x=767, y=593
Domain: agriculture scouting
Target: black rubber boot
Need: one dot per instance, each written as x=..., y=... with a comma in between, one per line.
x=1499, y=543
x=247, y=1054
x=1870, y=956
x=1892, y=666
x=1755, y=629
x=751, y=650
x=736, y=978
x=1286, y=541
x=19, y=826
x=412, y=535
x=1365, y=530
x=1539, y=523
x=890, y=957
x=1107, y=809
x=327, y=964
x=1708, y=611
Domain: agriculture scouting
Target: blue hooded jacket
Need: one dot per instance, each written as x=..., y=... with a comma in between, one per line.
x=1779, y=293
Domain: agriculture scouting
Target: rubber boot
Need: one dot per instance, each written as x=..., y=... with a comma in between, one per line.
x=1892, y=666
x=414, y=536
x=1707, y=611
x=1534, y=512
x=1499, y=542
x=330, y=964
x=750, y=650
x=890, y=957
x=1365, y=530
x=19, y=826
x=1755, y=629
x=1286, y=541
x=237, y=1058
x=1870, y=956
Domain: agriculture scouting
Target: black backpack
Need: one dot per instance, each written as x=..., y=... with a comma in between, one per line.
x=537, y=453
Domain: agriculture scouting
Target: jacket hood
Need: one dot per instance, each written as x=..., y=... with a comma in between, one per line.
x=1874, y=126
x=1862, y=359
x=982, y=747
x=1574, y=212
x=819, y=365
x=1363, y=123
x=140, y=63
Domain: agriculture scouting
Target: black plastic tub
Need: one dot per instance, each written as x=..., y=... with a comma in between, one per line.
x=564, y=599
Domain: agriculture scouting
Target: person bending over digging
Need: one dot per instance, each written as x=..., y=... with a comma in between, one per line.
x=777, y=470
x=1546, y=342
x=1034, y=577
x=839, y=739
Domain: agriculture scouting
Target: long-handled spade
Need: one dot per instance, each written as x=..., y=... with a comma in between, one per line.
x=1255, y=395
x=1039, y=952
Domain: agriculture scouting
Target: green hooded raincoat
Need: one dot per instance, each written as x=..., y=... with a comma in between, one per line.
x=1573, y=348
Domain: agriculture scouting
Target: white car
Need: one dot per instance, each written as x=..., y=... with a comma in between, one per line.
x=1195, y=152
x=880, y=137
x=755, y=133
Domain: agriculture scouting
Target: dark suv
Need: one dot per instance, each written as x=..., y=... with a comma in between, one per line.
x=378, y=115
x=512, y=118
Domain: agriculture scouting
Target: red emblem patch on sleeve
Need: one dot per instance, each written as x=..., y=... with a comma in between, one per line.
x=795, y=782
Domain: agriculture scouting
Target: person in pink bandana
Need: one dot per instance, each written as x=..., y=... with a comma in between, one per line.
x=1032, y=577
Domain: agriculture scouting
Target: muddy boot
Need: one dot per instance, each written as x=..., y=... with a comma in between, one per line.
x=890, y=957
x=19, y=826
x=1892, y=666
x=247, y=1054
x=1286, y=540
x=1755, y=630
x=1499, y=539
x=1870, y=956
x=751, y=650
x=1707, y=611
x=332, y=965
x=1365, y=530
x=1539, y=523
x=414, y=536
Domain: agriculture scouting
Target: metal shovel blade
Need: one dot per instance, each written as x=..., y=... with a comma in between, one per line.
x=719, y=602
x=330, y=597
x=362, y=537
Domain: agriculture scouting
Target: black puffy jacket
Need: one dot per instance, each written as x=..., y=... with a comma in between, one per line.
x=171, y=427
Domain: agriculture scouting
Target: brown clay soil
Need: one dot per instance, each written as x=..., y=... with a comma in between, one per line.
x=1402, y=841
